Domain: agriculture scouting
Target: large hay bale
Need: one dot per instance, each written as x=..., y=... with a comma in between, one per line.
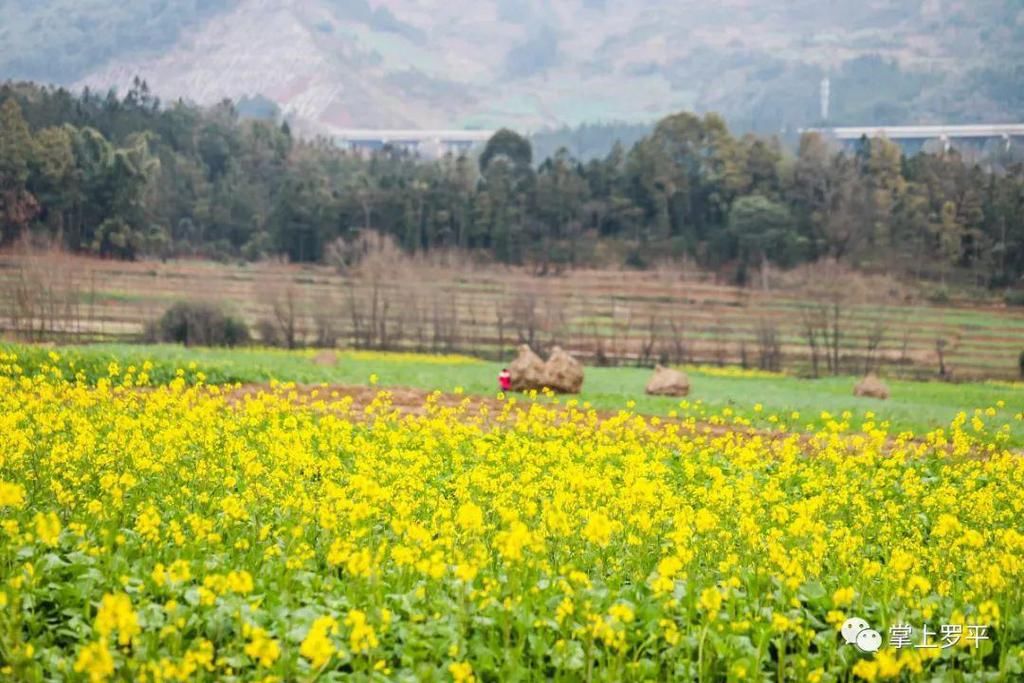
x=668, y=382
x=871, y=387
x=527, y=370
x=563, y=373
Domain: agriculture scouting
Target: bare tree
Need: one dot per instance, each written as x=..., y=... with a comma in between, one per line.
x=719, y=335
x=360, y=332
x=873, y=341
x=445, y=322
x=324, y=322
x=811, y=326
x=499, y=322
x=833, y=330
x=680, y=346
x=43, y=299
x=831, y=291
x=555, y=317
x=647, y=345
x=904, y=347
x=940, y=351
x=286, y=310
x=524, y=313
x=375, y=287
x=769, y=348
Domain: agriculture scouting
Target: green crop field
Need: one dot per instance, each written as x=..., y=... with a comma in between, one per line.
x=914, y=406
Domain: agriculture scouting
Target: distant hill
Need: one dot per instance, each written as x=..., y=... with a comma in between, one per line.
x=539, y=64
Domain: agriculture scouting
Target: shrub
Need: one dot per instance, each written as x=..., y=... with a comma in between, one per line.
x=636, y=260
x=268, y=333
x=939, y=296
x=1014, y=297
x=198, y=324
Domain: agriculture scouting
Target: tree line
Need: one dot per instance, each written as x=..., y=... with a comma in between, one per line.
x=128, y=176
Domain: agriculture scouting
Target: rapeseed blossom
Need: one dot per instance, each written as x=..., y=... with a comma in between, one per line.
x=117, y=616
x=261, y=647
x=317, y=646
x=95, y=661
x=177, y=533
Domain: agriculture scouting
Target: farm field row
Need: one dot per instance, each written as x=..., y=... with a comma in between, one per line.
x=751, y=396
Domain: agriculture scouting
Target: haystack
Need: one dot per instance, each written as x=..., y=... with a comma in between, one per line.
x=325, y=358
x=527, y=370
x=562, y=372
x=668, y=382
x=871, y=387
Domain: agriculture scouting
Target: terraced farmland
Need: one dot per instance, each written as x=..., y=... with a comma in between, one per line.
x=603, y=316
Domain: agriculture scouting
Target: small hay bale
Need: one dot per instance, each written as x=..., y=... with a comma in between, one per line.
x=871, y=387
x=668, y=382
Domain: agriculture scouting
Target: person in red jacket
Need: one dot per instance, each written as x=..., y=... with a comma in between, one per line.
x=504, y=379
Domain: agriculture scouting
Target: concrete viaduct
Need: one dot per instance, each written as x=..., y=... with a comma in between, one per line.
x=421, y=142
x=914, y=137
x=436, y=143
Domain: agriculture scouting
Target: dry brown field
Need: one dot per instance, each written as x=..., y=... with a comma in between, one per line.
x=676, y=315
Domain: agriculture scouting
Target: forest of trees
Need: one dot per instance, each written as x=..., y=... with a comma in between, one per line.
x=126, y=177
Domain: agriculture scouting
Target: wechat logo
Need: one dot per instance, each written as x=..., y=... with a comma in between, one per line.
x=857, y=632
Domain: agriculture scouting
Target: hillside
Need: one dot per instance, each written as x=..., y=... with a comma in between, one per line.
x=538, y=64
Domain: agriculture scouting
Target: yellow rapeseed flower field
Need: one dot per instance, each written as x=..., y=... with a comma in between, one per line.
x=179, y=532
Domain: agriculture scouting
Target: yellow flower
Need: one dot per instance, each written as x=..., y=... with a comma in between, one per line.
x=988, y=613
x=261, y=646
x=95, y=661
x=48, y=528
x=511, y=543
x=239, y=582
x=461, y=672
x=706, y=520
x=317, y=646
x=466, y=572
x=866, y=669
x=148, y=524
x=843, y=597
x=669, y=631
x=711, y=601
x=159, y=575
x=621, y=612
x=599, y=530
x=565, y=609
x=116, y=615
x=668, y=567
x=179, y=571
x=781, y=623
x=888, y=665
x=835, y=618
x=470, y=517
x=12, y=495
x=362, y=637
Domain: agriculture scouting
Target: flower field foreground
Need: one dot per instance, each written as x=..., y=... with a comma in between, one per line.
x=169, y=533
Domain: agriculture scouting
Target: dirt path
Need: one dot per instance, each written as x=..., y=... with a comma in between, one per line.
x=406, y=400
x=413, y=401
